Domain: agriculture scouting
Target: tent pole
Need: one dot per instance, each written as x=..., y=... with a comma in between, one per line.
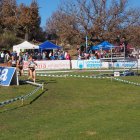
x=112, y=62
x=124, y=58
x=111, y=56
x=86, y=43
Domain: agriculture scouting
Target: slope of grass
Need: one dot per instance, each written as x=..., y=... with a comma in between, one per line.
x=73, y=109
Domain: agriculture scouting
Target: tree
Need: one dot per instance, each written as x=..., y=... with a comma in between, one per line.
x=64, y=26
x=35, y=19
x=23, y=19
x=99, y=19
x=8, y=9
x=28, y=20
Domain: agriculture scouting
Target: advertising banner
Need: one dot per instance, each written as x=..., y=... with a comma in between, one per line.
x=89, y=64
x=129, y=64
x=50, y=65
x=8, y=75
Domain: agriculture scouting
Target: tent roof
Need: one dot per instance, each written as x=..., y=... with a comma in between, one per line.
x=48, y=45
x=104, y=45
x=25, y=45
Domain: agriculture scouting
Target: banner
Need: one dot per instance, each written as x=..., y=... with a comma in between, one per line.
x=129, y=64
x=80, y=64
x=50, y=65
x=8, y=76
x=89, y=64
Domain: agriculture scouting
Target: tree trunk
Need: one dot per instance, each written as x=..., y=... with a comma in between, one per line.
x=26, y=36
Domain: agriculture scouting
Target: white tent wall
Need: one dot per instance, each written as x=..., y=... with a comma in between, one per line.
x=25, y=45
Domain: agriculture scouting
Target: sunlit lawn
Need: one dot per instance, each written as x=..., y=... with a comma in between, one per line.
x=72, y=109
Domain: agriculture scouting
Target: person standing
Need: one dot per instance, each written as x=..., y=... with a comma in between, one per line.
x=2, y=57
x=67, y=56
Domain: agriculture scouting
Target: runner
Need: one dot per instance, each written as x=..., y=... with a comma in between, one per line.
x=20, y=65
x=13, y=62
x=31, y=67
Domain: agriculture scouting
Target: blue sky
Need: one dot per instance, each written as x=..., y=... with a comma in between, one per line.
x=47, y=7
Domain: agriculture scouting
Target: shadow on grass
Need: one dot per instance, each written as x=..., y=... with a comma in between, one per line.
x=37, y=97
x=22, y=82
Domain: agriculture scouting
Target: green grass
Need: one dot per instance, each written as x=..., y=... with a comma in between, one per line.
x=72, y=109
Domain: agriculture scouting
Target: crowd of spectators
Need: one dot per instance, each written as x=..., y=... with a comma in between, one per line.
x=56, y=55
x=115, y=52
x=5, y=56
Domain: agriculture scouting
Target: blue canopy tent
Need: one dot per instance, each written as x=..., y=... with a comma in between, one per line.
x=48, y=46
x=103, y=46
x=95, y=48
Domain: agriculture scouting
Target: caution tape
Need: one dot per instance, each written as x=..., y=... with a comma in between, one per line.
x=76, y=76
x=11, y=101
x=94, y=77
x=127, y=82
x=33, y=92
x=21, y=97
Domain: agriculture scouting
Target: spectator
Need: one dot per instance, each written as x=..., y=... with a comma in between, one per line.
x=7, y=56
x=39, y=57
x=25, y=56
x=92, y=57
x=68, y=56
x=56, y=55
x=2, y=57
x=50, y=54
x=44, y=56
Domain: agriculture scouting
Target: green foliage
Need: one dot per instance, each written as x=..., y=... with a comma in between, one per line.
x=22, y=21
x=7, y=40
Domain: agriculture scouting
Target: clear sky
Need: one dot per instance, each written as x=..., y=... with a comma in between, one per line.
x=47, y=7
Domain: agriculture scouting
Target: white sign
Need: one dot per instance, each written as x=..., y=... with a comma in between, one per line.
x=129, y=64
x=89, y=64
x=116, y=73
x=50, y=65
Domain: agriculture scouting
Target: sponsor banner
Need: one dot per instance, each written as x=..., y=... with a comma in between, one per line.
x=8, y=75
x=132, y=64
x=89, y=64
x=80, y=64
x=105, y=65
x=50, y=65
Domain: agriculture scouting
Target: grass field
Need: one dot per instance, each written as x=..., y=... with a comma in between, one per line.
x=72, y=109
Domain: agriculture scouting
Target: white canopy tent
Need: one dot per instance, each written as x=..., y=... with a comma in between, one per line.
x=25, y=45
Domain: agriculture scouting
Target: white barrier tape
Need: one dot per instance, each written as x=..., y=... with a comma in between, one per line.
x=22, y=97
x=33, y=92
x=11, y=101
x=127, y=82
x=76, y=76
x=94, y=77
